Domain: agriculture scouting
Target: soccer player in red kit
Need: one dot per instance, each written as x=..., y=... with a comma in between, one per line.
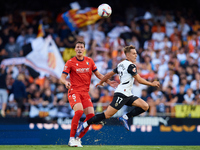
x=80, y=69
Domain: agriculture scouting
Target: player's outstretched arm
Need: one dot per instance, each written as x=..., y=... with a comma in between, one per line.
x=105, y=79
x=64, y=81
x=143, y=81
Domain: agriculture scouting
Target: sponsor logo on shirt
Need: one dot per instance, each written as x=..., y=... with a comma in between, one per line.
x=82, y=70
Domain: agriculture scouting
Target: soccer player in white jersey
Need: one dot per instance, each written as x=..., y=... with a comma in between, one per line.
x=128, y=72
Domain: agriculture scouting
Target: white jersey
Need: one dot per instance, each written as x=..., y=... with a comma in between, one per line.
x=126, y=71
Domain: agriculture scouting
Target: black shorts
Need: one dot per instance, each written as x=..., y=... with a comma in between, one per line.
x=19, y=102
x=120, y=100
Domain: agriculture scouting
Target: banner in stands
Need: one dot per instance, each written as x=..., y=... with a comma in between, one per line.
x=42, y=55
x=75, y=18
x=183, y=111
x=48, y=59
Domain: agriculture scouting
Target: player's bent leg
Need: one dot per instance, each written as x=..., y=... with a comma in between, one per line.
x=97, y=118
x=110, y=111
x=141, y=106
x=89, y=112
x=141, y=103
x=88, y=116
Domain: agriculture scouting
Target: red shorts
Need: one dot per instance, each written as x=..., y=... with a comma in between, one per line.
x=83, y=98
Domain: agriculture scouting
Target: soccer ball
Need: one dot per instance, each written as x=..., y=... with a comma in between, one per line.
x=104, y=10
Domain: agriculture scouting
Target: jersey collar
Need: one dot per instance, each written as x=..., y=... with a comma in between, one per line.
x=79, y=59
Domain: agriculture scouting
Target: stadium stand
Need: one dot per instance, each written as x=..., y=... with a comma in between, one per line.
x=167, y=41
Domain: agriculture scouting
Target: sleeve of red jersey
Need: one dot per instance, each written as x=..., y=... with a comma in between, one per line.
x=67, y=68
x=94, y=67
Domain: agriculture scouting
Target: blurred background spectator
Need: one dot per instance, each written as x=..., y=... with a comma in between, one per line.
x=167, y=42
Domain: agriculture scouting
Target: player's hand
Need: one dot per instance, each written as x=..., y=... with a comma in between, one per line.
x=113, y=84
x=67, y=85
x=156, y=83
x=99, y=84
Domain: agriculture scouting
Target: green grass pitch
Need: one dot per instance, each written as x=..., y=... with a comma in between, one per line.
x=96, y=147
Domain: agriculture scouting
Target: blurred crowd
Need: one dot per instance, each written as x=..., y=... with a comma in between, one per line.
x=167, y=43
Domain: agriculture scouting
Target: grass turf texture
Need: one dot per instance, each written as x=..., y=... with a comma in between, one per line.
x=96, y=147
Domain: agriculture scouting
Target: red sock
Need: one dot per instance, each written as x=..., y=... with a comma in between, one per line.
x=75, y=121
x=86, y=129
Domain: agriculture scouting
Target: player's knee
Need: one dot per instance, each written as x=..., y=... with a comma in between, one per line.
x=79, y=113
x=107, y=116
x=146, y=107
x=109, y=112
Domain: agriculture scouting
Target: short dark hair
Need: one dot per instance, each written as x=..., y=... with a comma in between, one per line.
x=145, y=90
x=195, y=65
x=170, y=87
x=127, y=49
x=80, y=42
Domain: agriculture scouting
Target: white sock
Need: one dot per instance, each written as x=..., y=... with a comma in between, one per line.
x=71, y=138
x=85, y=124
x=125, y=117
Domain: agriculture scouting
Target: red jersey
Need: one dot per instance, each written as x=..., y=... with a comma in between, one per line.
x=80, y=73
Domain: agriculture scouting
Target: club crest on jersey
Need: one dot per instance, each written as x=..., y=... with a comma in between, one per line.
x=134, y=70
x=77, y=64
x=87, y=63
